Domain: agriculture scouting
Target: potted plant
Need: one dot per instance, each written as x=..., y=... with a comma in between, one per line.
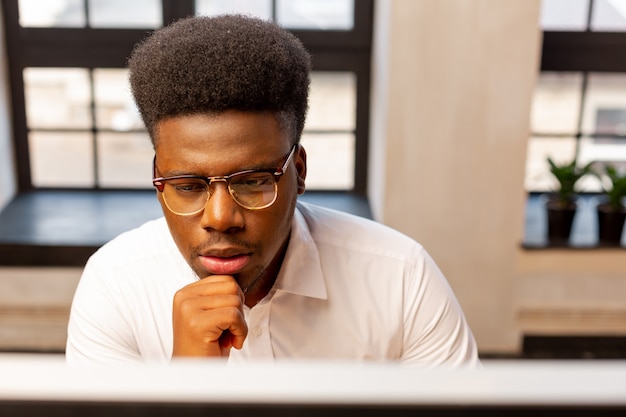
x=611, y=211
x=561, y=206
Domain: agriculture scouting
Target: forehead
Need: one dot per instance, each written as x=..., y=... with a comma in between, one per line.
x=220, y=143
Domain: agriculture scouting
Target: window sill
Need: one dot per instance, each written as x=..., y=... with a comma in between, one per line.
x=584, y=233
x=63, y=228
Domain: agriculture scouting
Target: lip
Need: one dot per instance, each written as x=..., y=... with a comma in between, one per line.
x=224, y=262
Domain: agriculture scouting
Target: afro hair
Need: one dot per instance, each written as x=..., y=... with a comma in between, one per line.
x=213, y=64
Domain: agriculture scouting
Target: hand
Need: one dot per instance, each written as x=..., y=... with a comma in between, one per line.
x=208, y=318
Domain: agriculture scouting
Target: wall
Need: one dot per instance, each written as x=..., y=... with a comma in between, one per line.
x=452, y=89
x=34, y=307
x=7, y=168
x=571, y=292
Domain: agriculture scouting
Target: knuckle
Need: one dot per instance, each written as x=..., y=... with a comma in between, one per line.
x=234, y=315
x=232, y=287
x=181, y=296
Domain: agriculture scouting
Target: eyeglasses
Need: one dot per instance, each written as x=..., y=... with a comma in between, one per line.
x=186, y=195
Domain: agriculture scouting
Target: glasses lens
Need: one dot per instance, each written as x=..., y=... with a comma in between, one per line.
x=255, y=190
x=185, y=196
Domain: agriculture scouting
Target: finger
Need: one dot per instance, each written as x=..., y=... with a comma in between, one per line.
x=209, y=332
x=230, y=340
x=231, y=329
x=214, y=284
x=192, y=305
x=209, y=290
x=235, y=336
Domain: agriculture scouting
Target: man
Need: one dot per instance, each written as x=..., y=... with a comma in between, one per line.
x=238, y=268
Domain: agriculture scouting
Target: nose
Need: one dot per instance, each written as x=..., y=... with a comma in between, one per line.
x=221, y=212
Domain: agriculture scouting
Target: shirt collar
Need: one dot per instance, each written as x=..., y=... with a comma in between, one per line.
x=301, y=272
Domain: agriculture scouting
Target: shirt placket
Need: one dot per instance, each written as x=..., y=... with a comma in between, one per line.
x=259, y=339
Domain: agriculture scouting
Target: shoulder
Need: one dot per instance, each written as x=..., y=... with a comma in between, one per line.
x=340, y=229
x=149, y=240
x=137, y=262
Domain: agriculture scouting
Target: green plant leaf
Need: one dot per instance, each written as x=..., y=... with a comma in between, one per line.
x=568, y=175
x=617, y=192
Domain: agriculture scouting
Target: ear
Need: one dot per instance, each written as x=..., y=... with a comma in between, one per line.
x=300, y=162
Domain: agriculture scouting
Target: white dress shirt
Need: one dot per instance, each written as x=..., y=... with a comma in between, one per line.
x=348, y=289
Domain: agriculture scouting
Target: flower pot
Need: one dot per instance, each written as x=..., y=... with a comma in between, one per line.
x=560, y=220
x=610, y=225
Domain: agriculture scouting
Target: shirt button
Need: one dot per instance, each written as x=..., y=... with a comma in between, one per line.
x=257, y=331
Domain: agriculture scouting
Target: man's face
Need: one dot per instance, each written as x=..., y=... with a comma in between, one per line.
x=225, y=238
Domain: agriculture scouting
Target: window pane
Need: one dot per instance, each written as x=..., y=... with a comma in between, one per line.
x=316, y=14
x=604, y=113
x=258, y=8
x=330, y=161
x=57, y=98
x=332, y=101
x=52, y=13
x=125, y=160
x=564, y=14
x=125, y=13
x=609, y=15
x=605, y=104
x=115, y=108
x=61, y=159
x=591, y=150
x=538, y=176
x=556, y=103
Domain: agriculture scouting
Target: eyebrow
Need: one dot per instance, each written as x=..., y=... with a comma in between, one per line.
x=176, y=173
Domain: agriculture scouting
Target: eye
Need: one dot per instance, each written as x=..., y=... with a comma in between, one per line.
x=253, y=181
x=185, y=186
x=257, y=182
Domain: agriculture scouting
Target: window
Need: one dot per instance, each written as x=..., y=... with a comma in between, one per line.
x=75, y=122
x=90, y=13
x=579, y=103
x=84, y=130
x=291, y=14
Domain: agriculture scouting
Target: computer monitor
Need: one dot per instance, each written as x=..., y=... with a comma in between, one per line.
x=36, y=385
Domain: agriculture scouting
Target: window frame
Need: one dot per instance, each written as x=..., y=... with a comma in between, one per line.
x=583, y=52
x=109, y=48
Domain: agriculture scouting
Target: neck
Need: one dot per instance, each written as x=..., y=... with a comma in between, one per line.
x=262, y=285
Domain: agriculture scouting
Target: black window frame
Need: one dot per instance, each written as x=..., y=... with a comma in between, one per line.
x=580, y=52
x=583, y=52
x=109, y=48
